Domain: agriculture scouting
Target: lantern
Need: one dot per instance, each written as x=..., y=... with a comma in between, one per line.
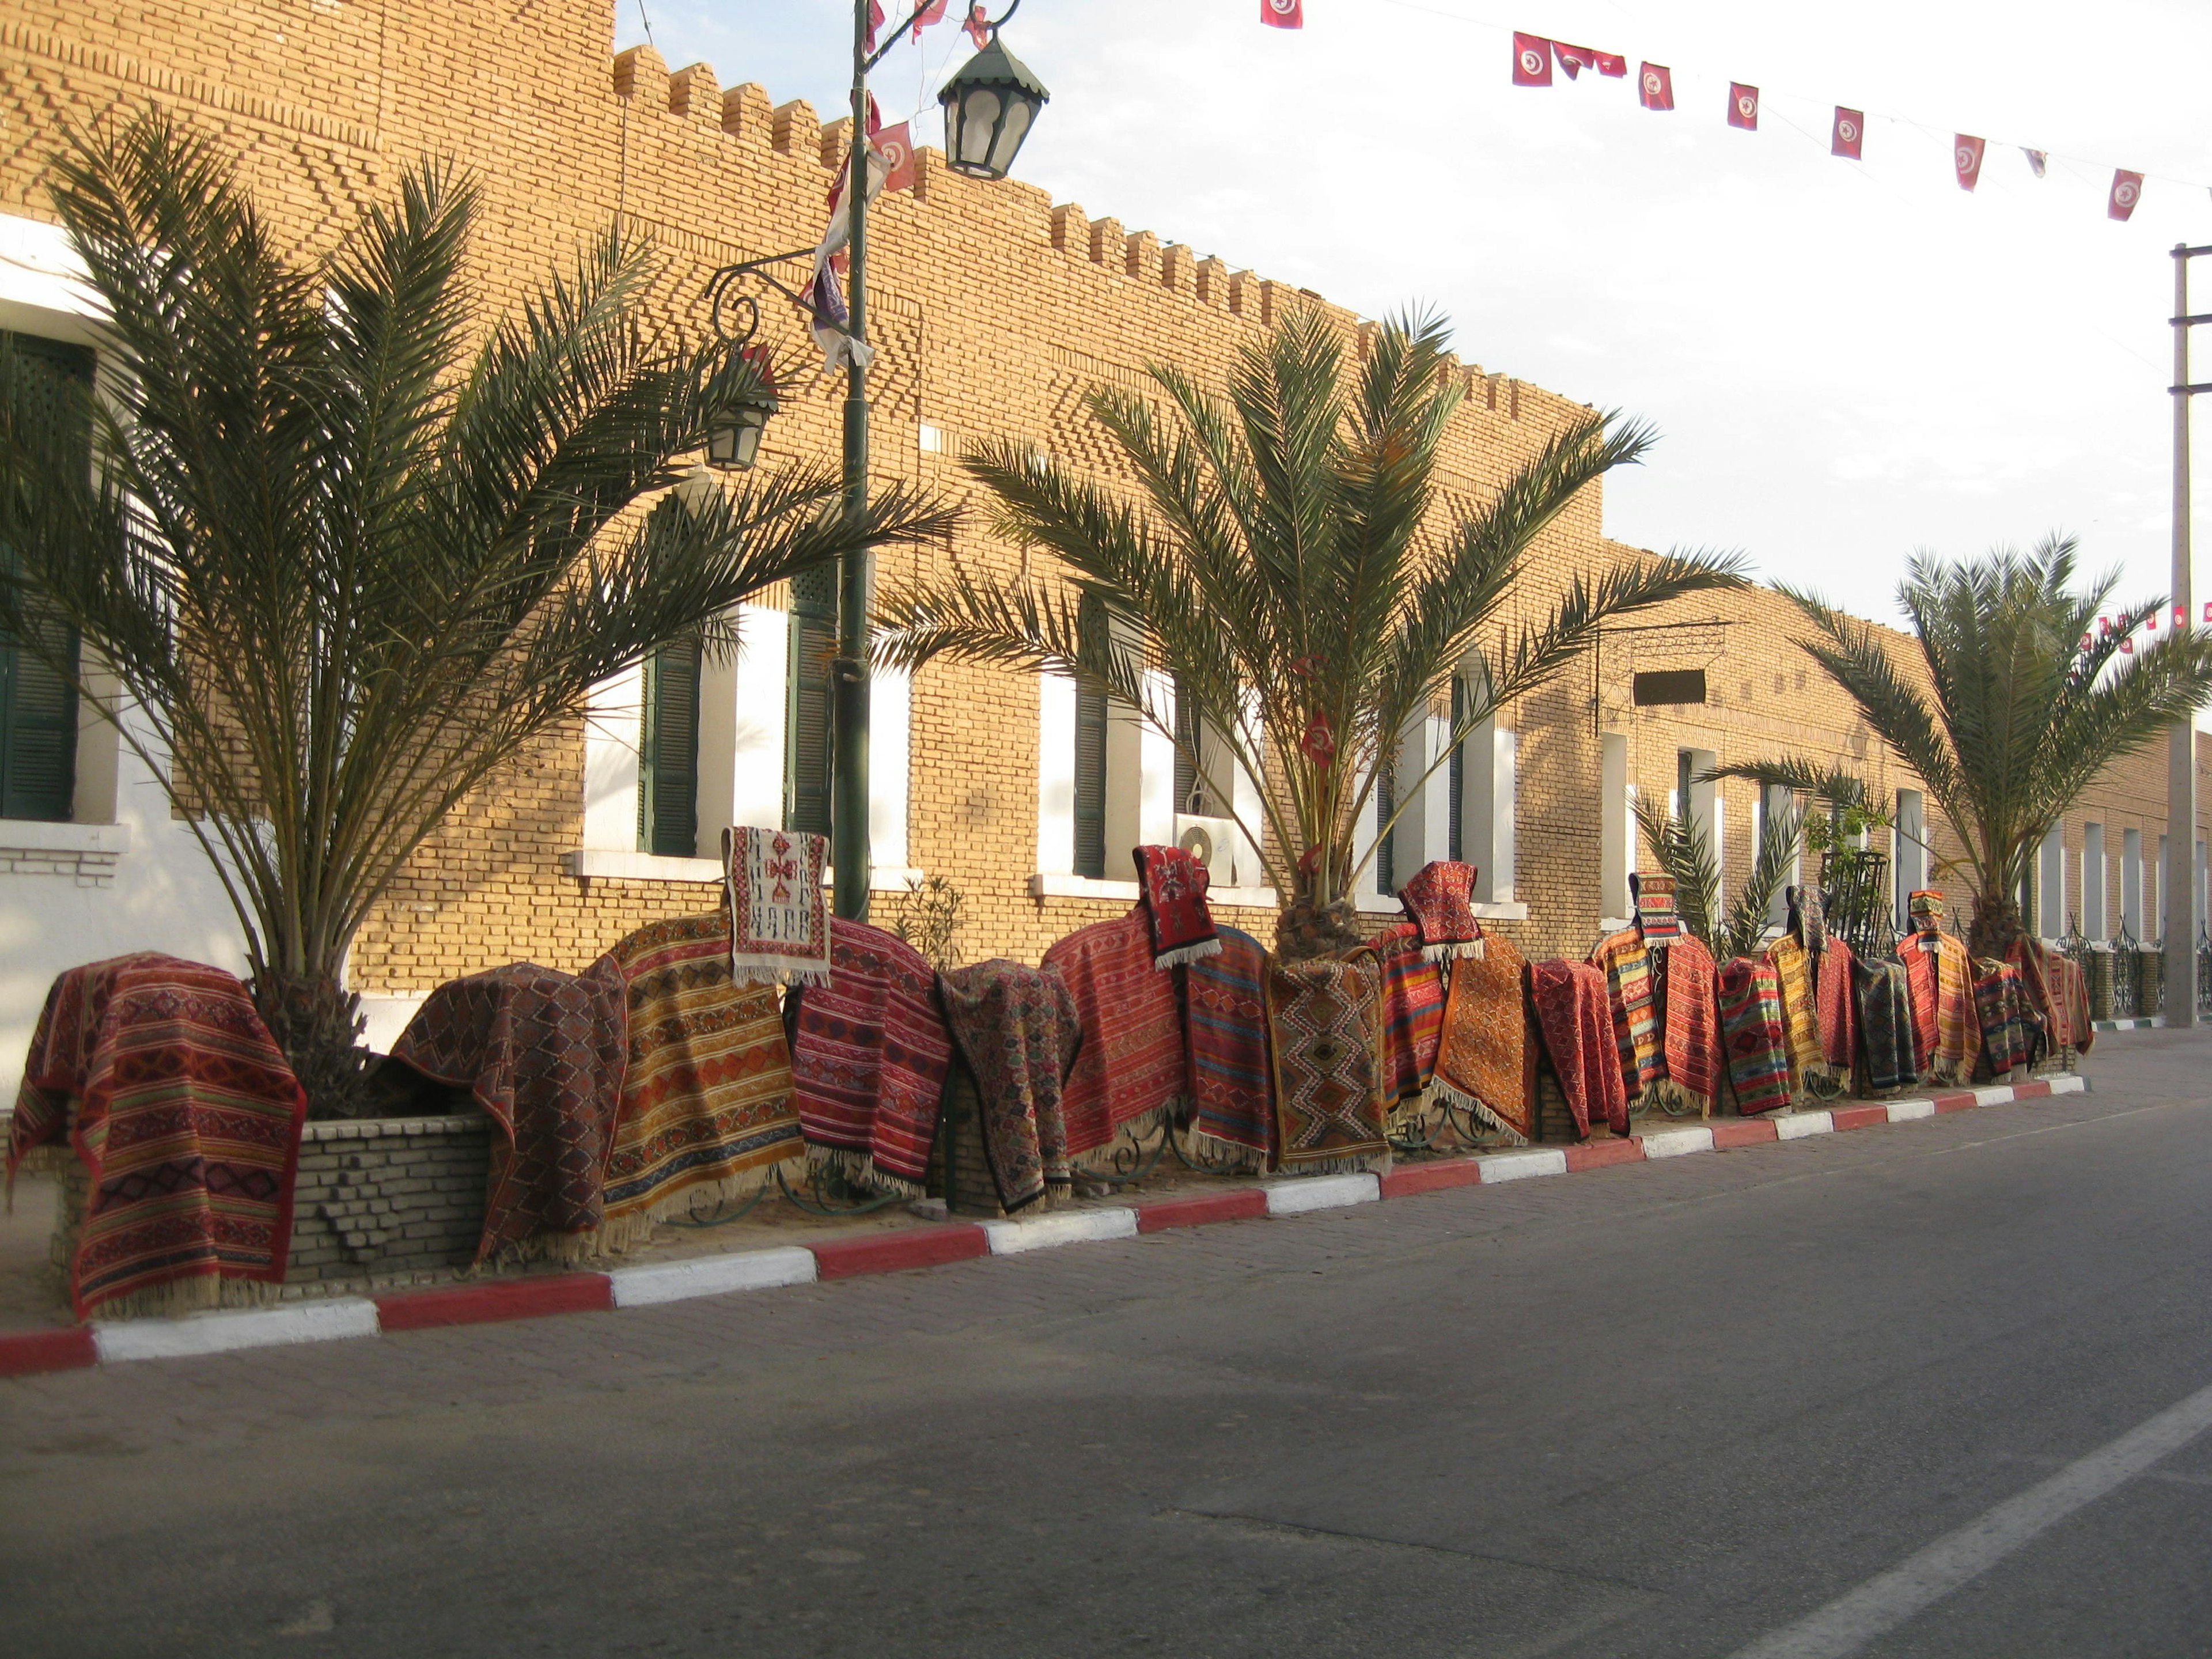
x=733, y=442
x=988, y=108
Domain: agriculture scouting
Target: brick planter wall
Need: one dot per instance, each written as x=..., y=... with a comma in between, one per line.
x=388, y=1196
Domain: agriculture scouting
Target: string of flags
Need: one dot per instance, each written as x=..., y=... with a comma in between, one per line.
x=2128, y=626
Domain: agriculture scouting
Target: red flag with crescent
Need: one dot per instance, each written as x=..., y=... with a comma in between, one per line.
x=1966, y=159
x=1573, y=59
x=2127, y=190
x=1848, y=138
x=1743, y=106
x=1655, y=86
x=895, y=145
x=1532, y=61
x=1612, y=65
x=979, y=27
x=1282, y=14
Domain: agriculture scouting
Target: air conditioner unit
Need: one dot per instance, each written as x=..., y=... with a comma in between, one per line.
x=1214, y=843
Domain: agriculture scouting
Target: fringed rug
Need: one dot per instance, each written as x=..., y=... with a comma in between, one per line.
x=1570, y=1000
x=1017, y=1029
x=1325, y=1029
x=1413, y=1015
x=1440, y=902
x=1884, y=1013
x=705, y=1104
x=187, y=1121
x=1625, y=964
x=1486, y=1063
x=1130, y=1070
x=1694, y=1025
x=2011, y=1035
x=1171, y=889
x=1232, y=1117
x=1837, y=991
x=1957, y=1043
x=869, y=1056
x=1752, y=1023
x=778, y=919
x=542, y=1053
x=1800, y=1021
x=1677, y=1066
x=2051, y=980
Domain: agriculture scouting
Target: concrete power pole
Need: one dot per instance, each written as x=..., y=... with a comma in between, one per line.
x=2178, y=881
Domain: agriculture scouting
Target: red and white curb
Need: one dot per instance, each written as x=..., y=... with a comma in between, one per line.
x=25, y=1353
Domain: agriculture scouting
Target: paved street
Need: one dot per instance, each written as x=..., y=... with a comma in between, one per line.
x=1663, y=1409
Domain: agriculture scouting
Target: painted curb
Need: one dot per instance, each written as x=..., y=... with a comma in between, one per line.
x=31, y=1353
x=1752, y=1132
x=712, y=1275
x=481, y=1304
x=1431, y=1177
x=924, y=1246
x=1677, y=1143
x=1595, y=1154
x=1520, y=1166
x=1048, y=1232
x=225, y=1332
x=1244, y=1204
x=1798, y=1125
x=1321, y=1193
x=1904, y=1111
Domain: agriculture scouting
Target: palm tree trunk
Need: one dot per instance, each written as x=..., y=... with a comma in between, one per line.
x=318, y=1024
x=1996, y=924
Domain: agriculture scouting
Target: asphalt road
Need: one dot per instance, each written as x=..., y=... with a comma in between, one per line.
x=1863, y=1393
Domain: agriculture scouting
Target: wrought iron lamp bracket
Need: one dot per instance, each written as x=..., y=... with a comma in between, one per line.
x=734, y=312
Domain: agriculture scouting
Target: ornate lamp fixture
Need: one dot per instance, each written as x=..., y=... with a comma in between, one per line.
x=989, y=106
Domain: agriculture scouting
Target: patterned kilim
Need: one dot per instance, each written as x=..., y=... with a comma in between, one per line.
x=1809, y=917
x=1925, y=909
x=1836, y=990
x=1572, y=1016
x=1626, y=965
x=706, y=1102
x=1693, y=1025
x=2048, y=979
x=1957, y=1029
x=1885, y=1014
x=542, y=1053
x=1130, y=1068
x=869, y=1056
x=1225, y=1022
x=1440, y=901
x=1325, y=1027
x=1801, y=1019
x=1656, y=918
x=1413, y=1015
x=187, y=1121
x=2010, y=1034
x=1920, y=989
x=1752, y=1022
x=1017, y=1028
x=1486, y=1063
x=1171, y=889
x=779, y=919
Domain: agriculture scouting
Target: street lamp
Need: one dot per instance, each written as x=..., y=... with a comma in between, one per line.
x=733, y=442
x=988, y=108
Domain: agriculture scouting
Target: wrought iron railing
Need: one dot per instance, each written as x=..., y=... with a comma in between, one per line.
x=1856, y=883
x=2127, y=975
x=2203, y=970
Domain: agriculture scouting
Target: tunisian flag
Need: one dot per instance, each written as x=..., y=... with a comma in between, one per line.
x=1532, y=61
x=1966, y=157
x=1743, y=106
x=1282, y=14
x=896, y=146
x=2127, y=190
x=1848, y=139
x=1655, y=85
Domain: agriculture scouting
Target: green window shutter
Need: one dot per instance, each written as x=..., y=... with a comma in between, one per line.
x=37, y=706
x=1091, y=762
x=1189, y=796
x=668, y=754
x=1457, y=841
x=1386, y=802
x=806, y=740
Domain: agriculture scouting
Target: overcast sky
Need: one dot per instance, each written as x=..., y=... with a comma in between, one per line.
x=1846, y=360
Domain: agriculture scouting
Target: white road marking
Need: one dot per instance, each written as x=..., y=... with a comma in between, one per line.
x=1882, y=1604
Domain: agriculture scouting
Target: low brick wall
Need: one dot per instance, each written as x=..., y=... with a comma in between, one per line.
x=385, y=1198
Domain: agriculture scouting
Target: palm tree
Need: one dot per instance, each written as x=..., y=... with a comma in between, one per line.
x=2021, y=702
x=1286, y=579
x=1683, y=848
x=344, y=569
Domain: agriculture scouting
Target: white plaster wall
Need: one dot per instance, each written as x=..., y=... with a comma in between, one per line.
x=1055, y=847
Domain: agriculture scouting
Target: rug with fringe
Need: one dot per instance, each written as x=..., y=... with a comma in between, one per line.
x=780, y=920
x=1172, y=887
x=1413, y=1014
x=2057, y=992
x=1836, y=991
x=1017, y=1030
x=1225, y=1028
x=1809, y=1069
x=2011, y=1033
x=706, y=1102
x=1752, y=1025
x=1575, y=1020
x=869, y=1056
x=1670, y=1060
x=1130, y=1071
x=1885, y=1017
x=186, y=1120
x=542, y=1053
x=1325, y=1030
x=1942, y=983
x=1486, y=1063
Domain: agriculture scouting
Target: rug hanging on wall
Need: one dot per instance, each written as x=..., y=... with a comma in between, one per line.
x=186, y=1120
x=1172, y=887
x=1131, y=1071
x=1751, y=1026
x=869, y=1056
x=778, y=919
x=1017, y=1029
x=1232, y=1118
x=1486, y=1063
x=707, y=1113
x=541, y=1054
x=1413, y=1016
x=1885, y=1018
x=1325, y=1030
x=1576, y=1023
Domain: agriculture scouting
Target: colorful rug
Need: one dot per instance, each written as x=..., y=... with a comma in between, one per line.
x=542, y=1053
x=1232, y=1115
x=1801, y=1019
x=1325, y=1030
x=1440, y=902
x=1171, y=884
x=1752, y=1024
x=1925, y=910
x=1656, y=918
x=1677, y=1064
x=1017, y=1028
x=1132, y=1069
x=869, y=1056
x=1486, y=1063
x=2011, y=1035
x=2056, y=994
x=1836, y=991
x=187, y=1121
x=1809, y=917
x=1625, y=964
x=1691, y=994
x=779, y=919
x=1413, y=1015
x=706, y=1102
x=1885, y=1016
x=1571, y=1001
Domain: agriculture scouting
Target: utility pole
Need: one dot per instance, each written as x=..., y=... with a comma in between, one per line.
x=2178, y=881
x=848, y=685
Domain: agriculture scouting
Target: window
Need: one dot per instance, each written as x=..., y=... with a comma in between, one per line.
x=1090, y=757
x=668, y=754
x=2050, y=883
x=38, y=707
x=1456, y=826
x=1386, y=803
x=813, y=645
x=1909, y=851
x=2132, y=883
x=2095, y=882
x=1193, y=794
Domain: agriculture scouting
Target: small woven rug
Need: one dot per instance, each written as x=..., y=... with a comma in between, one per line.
x=1656, y=918
x=2049, y=978
x=1130, y=1070
x=706, y=1102
x=1413, y=1015
x=1172, y=886
x=187, y=1121
x=1486, y=1063
x=1801, y=1020
x=1017, y=1029
x=542, y=1053
x=1225, y=1022
x=778, y=919
x=1885, y=1016
x=1836, y=991
x=1625, y=964
x=2011, y=1035
x=1752, y=1024
x=869, y=1056
x=1693, y=1025
x=1573, y=1017
x=1325, y=1030
x=1440, y=901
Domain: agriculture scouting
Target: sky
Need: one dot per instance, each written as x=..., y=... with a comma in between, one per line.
x=1846, y=360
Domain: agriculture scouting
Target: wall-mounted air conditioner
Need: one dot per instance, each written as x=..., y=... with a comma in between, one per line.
x=1214, y=843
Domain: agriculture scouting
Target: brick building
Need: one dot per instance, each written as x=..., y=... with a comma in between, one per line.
x=994, y=310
